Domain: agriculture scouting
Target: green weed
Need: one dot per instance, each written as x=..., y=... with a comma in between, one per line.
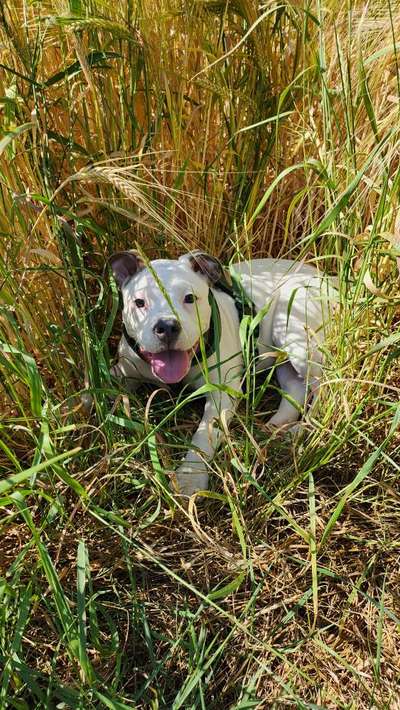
x=245, y=130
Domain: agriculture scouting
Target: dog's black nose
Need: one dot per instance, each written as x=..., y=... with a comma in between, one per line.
x=167, y=330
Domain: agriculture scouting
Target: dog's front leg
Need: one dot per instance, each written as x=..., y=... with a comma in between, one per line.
x=192, y=474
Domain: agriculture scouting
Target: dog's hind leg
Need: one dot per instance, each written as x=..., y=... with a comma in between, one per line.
x=292, y=384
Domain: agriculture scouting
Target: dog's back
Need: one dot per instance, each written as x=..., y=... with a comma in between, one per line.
x=298, y=298
x=274, y=267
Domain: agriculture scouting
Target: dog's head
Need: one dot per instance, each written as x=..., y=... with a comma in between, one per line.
x=166, y=307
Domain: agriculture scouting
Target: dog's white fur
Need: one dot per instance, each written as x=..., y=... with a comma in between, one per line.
x=298, y=297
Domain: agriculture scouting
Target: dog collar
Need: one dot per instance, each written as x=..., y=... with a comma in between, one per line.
x=131, y=341
x=245, y=308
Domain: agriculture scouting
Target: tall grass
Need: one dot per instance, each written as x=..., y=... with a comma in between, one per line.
x=246, y=130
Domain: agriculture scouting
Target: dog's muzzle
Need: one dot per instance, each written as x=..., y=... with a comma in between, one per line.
x=167, y=330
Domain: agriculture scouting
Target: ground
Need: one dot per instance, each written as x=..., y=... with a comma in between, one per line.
x=243, y=130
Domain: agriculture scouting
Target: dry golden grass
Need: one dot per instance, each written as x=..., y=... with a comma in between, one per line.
x=244, y=130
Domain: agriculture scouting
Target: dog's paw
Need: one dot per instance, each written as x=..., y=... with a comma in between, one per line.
x=279, y=423
x=189, y=480
x=287, y=430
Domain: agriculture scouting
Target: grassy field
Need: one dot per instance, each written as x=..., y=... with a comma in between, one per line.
x=244, y=129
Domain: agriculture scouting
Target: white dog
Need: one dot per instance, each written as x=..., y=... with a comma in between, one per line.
x=182, y=324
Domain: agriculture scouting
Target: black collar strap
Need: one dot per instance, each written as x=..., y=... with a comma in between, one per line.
x=244, y=304
x=246, y=310
x=131, y=341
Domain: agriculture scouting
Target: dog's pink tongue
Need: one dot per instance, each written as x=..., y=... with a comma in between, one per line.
x=171, y=365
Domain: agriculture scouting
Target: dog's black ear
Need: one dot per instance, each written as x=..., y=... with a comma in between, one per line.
x=125, y=264
x=209, y=267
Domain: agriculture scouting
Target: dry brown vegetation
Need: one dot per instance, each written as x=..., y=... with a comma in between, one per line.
x=243, y=129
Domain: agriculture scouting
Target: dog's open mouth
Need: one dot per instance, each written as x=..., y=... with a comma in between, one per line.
x=170, y=365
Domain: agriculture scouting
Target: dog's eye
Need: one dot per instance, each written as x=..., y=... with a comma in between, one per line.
x=139, y=302
x=190, y=298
